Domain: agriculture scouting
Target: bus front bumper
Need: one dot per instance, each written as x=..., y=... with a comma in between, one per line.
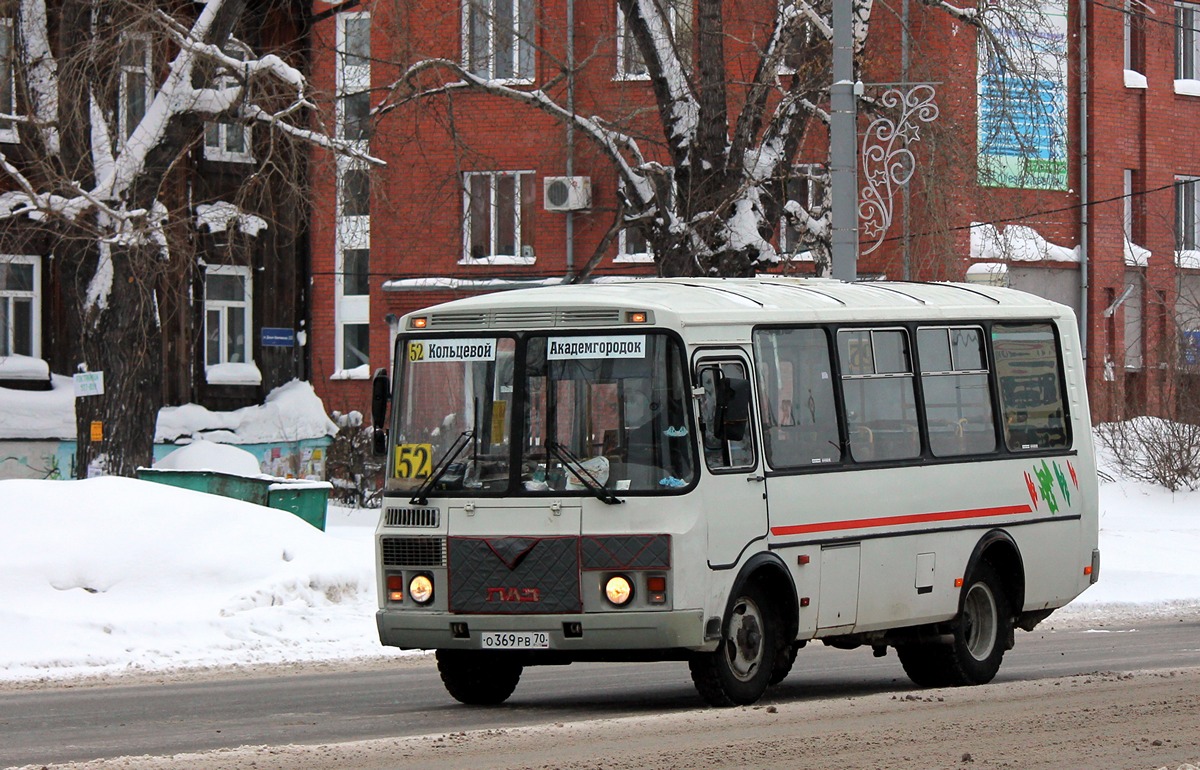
x=680, y=629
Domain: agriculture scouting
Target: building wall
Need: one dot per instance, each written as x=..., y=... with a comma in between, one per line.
x=416, y=204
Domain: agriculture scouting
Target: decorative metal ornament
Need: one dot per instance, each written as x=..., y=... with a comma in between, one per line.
x=887, y=162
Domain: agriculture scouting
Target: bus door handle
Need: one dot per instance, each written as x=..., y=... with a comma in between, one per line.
x=756, y=478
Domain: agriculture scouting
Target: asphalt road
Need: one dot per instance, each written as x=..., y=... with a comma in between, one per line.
x=63, y=724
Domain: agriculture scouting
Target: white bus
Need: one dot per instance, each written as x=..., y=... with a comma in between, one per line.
x=721, y=471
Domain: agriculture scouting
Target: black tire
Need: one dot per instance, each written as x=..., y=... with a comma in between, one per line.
x=982, y=633
x=738, y=672
x=785, y=658
x=478, y=678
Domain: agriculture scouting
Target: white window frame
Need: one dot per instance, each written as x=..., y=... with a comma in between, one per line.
x=223, y=306
x=524, y=57
x=222, y=129
x=808, y=173
x=8, y=128
x=1187, y=41
x=627, y=58
x=125, y=125
x=784, y=67
x=1187, y=213
x=626, y=256
x=493, y=257
x=353, y=73
x=8, y=295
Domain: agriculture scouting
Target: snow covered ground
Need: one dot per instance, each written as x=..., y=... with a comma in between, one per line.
x=113, y=575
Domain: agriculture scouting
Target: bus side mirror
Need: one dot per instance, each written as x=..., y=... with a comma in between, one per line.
x=733, y=408
x=381, y=393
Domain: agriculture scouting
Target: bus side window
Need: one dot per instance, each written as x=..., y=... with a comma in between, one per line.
x=728, y=443
x=1031, y=400
x=799, y=413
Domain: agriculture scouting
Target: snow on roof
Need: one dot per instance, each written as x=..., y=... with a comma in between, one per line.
x=23, y=368
x=39, y=414
x=220, y=216
x=1016, y=243
x=291, y=412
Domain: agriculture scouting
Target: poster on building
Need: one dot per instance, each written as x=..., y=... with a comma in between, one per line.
x=1022, y=89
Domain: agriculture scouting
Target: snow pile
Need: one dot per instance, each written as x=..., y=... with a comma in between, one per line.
x=111, y=574
x=291, y=412
x=207, y=456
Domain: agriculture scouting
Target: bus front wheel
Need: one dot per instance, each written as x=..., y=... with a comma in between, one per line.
x=738, y=672
x=478, y=678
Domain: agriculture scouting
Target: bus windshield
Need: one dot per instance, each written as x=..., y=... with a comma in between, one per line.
x=593, y=415
x=609, y=411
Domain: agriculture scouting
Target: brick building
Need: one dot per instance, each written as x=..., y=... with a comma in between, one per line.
x=1106, y=118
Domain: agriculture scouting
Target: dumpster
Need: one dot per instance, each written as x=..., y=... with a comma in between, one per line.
x=306, y=499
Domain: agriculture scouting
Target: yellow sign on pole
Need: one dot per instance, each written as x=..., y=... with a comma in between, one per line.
x=97, y=431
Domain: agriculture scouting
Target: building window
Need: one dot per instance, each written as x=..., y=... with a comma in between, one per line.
x=497, y=213
x=134, y=88
x=498, y=38
x=630, y=64
x=356, y=40
x=796, y=50
x=1187, y=217
x=356, y=271
x=356, y=192
x=805, y=188
x=356, y=116
x=227, y=315
x=356, y=345
x=8, y=88
x=1187, y=24
x=1135, y=36
x=632, y=244
x=20, y=322
x=227, y=140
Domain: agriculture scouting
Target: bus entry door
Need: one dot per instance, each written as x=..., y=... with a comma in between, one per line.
x=733, y=491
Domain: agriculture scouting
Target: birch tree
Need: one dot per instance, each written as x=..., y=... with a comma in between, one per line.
x=111, y=97
x=713, y=205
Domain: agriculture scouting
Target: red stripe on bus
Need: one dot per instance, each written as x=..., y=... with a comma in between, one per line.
x=888, y=521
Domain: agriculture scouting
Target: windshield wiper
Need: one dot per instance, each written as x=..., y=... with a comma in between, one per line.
x=443, y=465
x=575, y=465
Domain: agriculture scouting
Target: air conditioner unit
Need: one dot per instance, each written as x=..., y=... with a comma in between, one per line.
x=567, y=193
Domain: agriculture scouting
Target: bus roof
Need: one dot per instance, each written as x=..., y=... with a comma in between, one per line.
x=708, y=301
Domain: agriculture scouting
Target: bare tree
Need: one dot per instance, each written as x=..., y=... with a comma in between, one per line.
x=711, y=203
x=112, y=97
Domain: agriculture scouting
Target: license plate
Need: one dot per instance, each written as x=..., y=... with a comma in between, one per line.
x=515, y=640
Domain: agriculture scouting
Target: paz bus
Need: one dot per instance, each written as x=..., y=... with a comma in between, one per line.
x=722, y=471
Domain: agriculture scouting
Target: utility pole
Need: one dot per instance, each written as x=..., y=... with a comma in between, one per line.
x=843, y=145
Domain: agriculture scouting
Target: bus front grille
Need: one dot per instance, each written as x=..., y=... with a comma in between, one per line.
x=413, y=551
x=411, y=517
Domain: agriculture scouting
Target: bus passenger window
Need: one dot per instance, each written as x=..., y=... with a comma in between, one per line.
x=726, y=446
x=878, y=389
x=1031, y=400
x=958, y=401
x=799, y=413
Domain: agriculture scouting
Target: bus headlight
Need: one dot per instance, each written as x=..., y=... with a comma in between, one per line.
x=420, y=589
x=618, y=590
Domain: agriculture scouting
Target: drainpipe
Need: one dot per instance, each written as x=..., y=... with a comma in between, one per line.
x=1084, y=171
x=570, y=247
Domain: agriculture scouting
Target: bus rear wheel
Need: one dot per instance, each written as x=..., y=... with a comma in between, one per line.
x=981, y=634
x=738, y=672
x=478, y=678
